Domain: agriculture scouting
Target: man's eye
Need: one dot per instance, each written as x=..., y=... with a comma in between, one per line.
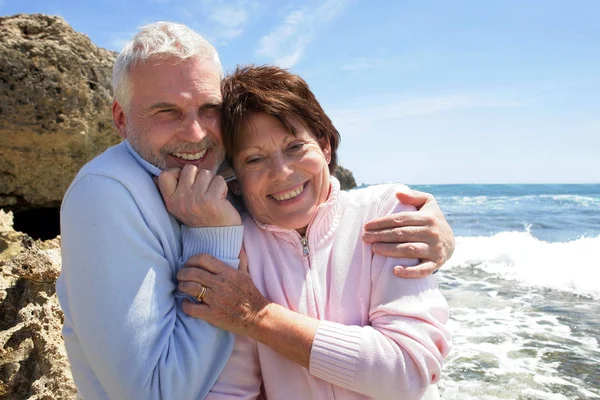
x=211, y=110
x=166, y=111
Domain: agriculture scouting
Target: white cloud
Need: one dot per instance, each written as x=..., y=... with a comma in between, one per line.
x=219, y=20
x=229, y=15
x=422, y=106
x=230, y=19
x=361, y=63
x=286, y=44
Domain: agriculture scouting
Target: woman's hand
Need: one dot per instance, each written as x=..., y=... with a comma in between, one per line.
x=197, y=197
x=424, y=234
x=231, y=301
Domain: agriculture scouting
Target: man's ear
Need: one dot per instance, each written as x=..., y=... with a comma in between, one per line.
x=234, y=187
x=119, y=118
x=326, y=148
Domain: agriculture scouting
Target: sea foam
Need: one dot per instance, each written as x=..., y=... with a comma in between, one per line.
x=572, y=266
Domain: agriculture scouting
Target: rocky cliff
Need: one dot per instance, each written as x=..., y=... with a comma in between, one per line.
x=54, y=108
x=345, y=177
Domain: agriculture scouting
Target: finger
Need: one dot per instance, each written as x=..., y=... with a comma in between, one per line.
x=195, y=274
x=188, y=176
x=196, y=310
x=243, y=261
x=203, y=181
x=403, y=250
x=167, y=181
x=207, y=262
x=404, y=234
x=414, y=198
x=217, y=188
x=418, y=271
x=192, y=288
x=397, y=220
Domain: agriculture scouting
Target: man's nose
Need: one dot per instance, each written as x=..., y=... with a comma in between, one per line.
x=193, y=130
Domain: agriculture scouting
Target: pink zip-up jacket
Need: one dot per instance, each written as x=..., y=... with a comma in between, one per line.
x=379, y=337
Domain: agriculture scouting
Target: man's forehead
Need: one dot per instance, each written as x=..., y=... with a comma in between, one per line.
x=185, y=79
x=172, y=67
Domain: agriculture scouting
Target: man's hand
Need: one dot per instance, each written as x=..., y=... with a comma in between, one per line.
x=423, y=234
x=231, y=300
x=197, y=197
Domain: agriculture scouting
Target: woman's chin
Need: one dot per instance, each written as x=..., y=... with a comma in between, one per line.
x=299, y=223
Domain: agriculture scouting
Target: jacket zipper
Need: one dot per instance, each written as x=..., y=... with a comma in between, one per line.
x=304, y=241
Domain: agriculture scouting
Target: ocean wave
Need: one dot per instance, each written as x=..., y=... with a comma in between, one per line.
x=572, y=266
x=498, y=202
x=585, y=201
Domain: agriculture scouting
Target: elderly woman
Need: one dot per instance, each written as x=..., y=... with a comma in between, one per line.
x=352, y=330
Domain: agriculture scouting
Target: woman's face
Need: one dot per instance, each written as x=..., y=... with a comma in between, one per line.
x=283, y=178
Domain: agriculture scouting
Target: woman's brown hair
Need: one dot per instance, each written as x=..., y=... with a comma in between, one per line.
x=276, y=92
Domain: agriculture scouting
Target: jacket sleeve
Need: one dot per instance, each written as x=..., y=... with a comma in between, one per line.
x=241, y=378
x=117, y=288
x=403, y=348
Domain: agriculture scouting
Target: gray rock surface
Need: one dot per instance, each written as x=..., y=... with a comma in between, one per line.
x=33, y=359
x=345, y=177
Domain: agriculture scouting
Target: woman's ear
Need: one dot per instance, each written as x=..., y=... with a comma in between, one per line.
x=234, y=187
x=326, y=148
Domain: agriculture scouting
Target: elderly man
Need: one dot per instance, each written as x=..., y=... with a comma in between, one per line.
x=126, y=334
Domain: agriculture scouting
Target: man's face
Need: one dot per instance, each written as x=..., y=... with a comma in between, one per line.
x=173, y=114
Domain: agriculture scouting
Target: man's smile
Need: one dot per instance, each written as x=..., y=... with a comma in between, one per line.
x=190, y=156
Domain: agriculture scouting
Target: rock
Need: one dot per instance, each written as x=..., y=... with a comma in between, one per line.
x=345, y=177
x=10, y=240
x=33, y=359
x=55, y=103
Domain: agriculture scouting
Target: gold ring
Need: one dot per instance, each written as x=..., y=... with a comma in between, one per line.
x=201, y=293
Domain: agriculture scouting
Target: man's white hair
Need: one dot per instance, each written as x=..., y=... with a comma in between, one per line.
x=158, y=40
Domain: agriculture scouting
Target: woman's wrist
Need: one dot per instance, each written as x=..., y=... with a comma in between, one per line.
x=289, y=333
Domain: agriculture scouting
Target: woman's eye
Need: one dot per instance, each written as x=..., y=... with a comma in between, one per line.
x=253, y=160
x=295, y=147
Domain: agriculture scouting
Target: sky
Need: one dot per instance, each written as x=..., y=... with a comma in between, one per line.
x=422, y=92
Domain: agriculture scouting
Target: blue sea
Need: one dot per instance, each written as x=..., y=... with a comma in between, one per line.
x=524, y=290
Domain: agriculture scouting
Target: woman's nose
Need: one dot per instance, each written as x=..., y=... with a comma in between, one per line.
x=280, y=168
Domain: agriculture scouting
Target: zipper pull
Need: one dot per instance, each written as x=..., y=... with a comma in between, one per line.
x=304, y=241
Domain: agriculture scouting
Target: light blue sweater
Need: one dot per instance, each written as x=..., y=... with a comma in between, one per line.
x=125, y=333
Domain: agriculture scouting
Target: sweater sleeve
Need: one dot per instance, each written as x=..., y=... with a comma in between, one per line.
x=117, y=289
x=403, y=348
x=224, y=243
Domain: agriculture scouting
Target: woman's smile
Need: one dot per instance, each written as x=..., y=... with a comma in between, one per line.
x=288, y=196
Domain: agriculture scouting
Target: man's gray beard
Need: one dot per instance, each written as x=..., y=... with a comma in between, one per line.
x=160, y=161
